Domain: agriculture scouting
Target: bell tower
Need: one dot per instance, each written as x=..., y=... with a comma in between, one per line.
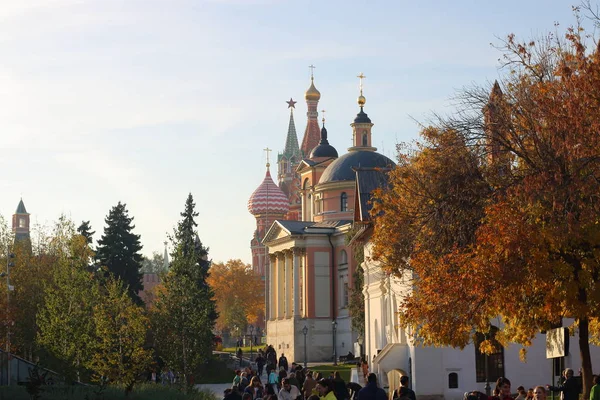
x=361, y=127
x=20, y=223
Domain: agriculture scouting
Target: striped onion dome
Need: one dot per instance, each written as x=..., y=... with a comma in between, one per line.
x=268, y=198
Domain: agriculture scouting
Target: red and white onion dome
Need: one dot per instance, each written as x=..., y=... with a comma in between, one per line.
x=268, y=198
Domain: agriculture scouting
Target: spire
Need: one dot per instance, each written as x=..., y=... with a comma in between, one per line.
x=166, y=257
x=21, y=208
x=292, y=149
x=311, y=133
x=324, y=149
x=361, y=127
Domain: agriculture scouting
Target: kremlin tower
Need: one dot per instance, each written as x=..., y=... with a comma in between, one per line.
x=288, y=178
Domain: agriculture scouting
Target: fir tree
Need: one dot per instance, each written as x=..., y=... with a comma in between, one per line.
x=185, y=312
x=85, y=230
x=119, y=250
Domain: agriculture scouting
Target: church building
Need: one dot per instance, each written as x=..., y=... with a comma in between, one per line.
x=310, y=266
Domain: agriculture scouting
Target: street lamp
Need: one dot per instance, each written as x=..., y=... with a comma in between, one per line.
x=251, y=340
x=334, y=325
x=304, y=332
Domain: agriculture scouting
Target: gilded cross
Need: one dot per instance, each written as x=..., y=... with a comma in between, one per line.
x=323, y=111
x=312, y=70
x=267, y=150
x=361, y=77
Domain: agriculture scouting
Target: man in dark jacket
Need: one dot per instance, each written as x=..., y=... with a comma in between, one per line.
x=569, y=388
x=283, y=362
x=371, y=391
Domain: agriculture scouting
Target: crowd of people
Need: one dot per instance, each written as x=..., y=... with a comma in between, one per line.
x=287, y=381
x=569, y=389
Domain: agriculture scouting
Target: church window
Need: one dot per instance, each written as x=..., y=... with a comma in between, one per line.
x=494, y=361
x=364, y=138
x=343, y=258
x=21, y=222
x=452, y=380
x=344, y=202
x=345, y=294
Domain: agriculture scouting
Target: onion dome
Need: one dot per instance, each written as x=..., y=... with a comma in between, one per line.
x=342, y=169
x=324, y=149
x=312, y=93
x=268, y=198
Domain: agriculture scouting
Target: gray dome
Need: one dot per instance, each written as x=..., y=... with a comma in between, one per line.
x=341, y=169
x=323, y=149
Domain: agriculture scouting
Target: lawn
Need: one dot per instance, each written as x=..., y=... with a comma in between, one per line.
x=327, y=369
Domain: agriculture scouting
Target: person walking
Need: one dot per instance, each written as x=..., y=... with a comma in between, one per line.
x=371, y=391
x=569, y=389
x=404, y=390
x=255, y=388
x=325, y=390
x=309, y=385
x=339, y=387
x=288, y=391
x=539, y=393
x=283, y=362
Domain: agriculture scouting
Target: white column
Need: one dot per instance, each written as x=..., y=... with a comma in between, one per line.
x=280, y=285
x=296, y=283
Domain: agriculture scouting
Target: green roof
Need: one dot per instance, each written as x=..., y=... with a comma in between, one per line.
x=21, y=208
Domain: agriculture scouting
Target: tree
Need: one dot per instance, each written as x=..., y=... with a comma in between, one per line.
x=85, y=230
x=66, y=328
x=505, y=191
x=119, y=250
x=120, y=334
x=239, y=294
x=154, y=265
x=184, y=313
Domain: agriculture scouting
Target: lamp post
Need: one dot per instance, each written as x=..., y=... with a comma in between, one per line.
x=305, y=332
x=334, y=325
x=251, y=340
x=487, y=387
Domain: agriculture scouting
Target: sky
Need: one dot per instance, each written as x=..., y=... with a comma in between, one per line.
x=145, y=101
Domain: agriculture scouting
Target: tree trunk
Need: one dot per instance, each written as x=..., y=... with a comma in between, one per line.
x=586, y=360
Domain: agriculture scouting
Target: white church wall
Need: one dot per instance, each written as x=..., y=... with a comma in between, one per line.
x=322, y=284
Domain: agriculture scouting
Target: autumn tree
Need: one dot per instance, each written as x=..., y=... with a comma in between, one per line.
x=119, y=250
x=66, y=329
x=239, y=294
x=184, y=313
x=120, y=333
x=505, y=191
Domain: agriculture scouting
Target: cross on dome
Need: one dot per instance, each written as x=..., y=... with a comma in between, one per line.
x=312, y=70
x=267, y=151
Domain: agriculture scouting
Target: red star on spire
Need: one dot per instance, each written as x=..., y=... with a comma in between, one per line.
x=291, y=103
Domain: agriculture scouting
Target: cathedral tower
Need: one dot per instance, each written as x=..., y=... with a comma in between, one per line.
x=361, y=127
x=312, y=133
x=287, y=177
x=20, y=223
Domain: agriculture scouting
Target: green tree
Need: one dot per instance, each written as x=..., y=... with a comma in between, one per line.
x=65, y=322
x=85, y=230
x=119, y=250
x=120, y=334
x=184, y=313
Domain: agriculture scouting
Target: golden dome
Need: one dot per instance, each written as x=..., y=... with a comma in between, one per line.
x=361, y=100
x=312, y=93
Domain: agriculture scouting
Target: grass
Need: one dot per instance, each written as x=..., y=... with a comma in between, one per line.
x=140, y=392
x=325, y=370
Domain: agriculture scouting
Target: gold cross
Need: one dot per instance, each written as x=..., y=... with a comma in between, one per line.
x=323, y=111
x=312, y=70
x=267, y=150
x=361, y=77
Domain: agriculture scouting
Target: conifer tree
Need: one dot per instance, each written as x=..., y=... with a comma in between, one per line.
x=119, y=250
x=85, y=230
x=185, y=312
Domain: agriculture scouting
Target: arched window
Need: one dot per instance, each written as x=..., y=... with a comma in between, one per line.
x=305, y=185
x=452, y=380
x=494, y=361
x=344, y=202
x=364, y=139
x=343, y=257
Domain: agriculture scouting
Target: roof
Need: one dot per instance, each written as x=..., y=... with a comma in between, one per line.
x=324, y=149
x=292, y=149
x=367, y=180
x=304, y=227
x=342, y=169
x=268, y=197
x=21, y=208
x=362, y=117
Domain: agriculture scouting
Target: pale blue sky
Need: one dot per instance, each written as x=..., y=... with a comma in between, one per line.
x=143, y=101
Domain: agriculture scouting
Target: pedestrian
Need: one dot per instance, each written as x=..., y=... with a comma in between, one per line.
x=404, y=390
x=283, y=362
x=233, y=394
x=260, y=363
x=503, y=389
x=539, y=393
x=274, y=381
x=309, y=385
x=288, y=391
x=339, y=387
x=569, y=389
x=595, y=392
x=325, y=389
x=371, y=391
x=521, y=393
x=365, y=368
x=254, y=388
